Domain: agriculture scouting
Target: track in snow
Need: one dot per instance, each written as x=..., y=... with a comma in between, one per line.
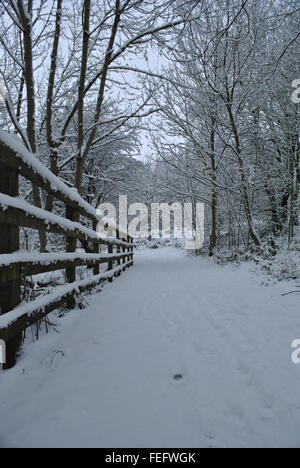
x=108, y=380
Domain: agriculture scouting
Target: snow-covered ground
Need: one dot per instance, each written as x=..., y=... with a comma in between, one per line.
x=108, y=379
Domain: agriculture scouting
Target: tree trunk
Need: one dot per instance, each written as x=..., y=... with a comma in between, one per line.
x=83, y=150
x=50, y=140
x=246, y=200
x=214, y=199
x=26, y=20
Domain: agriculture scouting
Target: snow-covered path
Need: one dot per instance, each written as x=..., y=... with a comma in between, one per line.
x=108, y=379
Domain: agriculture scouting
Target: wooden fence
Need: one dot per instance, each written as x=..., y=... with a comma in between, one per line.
x=15, y=213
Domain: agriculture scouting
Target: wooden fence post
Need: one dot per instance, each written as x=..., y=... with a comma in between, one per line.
x=110, y=263
x=71, y=245
x=118, y=251
x=96, y=269
x=10, y=291
x=132, y=249
x=129, y=249
x=124, y=251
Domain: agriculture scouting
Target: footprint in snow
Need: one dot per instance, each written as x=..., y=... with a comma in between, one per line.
x=178, y=377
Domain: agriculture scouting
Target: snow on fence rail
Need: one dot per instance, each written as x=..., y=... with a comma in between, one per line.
x=15, y=213
x=14, y=209
x=27, y=314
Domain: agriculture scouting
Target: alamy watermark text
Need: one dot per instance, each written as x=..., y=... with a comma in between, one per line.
x=156, y=221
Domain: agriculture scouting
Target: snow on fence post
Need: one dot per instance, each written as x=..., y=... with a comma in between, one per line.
x=10, y=291
x=71, y=245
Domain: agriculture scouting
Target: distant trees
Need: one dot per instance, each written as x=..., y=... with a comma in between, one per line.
x=80, y=84
x=232, y=129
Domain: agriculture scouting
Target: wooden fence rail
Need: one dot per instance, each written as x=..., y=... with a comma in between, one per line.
x=15, y=213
